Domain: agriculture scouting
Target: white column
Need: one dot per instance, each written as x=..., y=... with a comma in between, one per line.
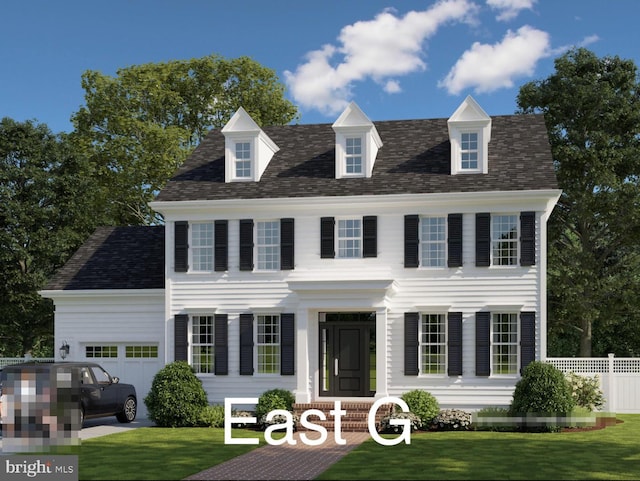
x=303, y=394
x=381, y=352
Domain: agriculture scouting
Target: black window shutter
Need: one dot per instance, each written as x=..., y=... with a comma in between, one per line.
x=221, y=234
x=246, y=344
x=483, y=343
x=527, y=238
x=411, y=240
x=527, y=338
x=483, y=239
x=246, y=244
x=180, y=337
x=411, y=320
x=370, y=236
x=287, y=244
x=454, y=240
x=287, y=342
x=221, y=347
x=181, y=246
x=327, y=244
x=454, y=340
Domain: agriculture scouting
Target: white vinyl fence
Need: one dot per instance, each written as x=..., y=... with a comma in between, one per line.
x=619, y=378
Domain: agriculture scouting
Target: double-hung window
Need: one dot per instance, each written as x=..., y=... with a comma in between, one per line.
x=202, y=344
x=268, y=344
x=349, y=238
x=202, y=246
x=504, y=240
x=469, y=151
x=353, y=156
x=433, y=238
x=268, y=245
x=433, y=344
x=504, y=343
x=243, y=160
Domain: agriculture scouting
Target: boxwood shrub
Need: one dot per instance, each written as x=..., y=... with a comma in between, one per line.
x=176, y=398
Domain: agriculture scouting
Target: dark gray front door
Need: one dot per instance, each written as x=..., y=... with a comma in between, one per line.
x=345, y=358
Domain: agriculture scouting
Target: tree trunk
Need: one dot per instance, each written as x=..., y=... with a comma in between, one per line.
x=585, y=337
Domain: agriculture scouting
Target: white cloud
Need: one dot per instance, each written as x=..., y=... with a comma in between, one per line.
x=509, y=9
x=392, y=87
x=582, y=43
x=490, y=67
x=387, y=46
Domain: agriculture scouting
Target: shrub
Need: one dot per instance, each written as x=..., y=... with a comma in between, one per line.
x=423, y=404
x=387, y=427
x=586, y=391
x=543, y=391
x=274, y=399
x=212, y=416
x=176, y=398
x=452, y=420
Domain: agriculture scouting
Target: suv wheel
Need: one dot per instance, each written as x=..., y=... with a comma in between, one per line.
x=129, y=410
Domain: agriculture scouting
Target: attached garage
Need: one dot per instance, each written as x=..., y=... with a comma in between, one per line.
x=109, y=304
x=133, y=363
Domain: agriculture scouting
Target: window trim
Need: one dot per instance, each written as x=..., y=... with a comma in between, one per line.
x=338, y=220
x=463, y=151
x=516, y=322
x=348, y=156
x=515, y=241
x=422, y=242
x=250, y=160
x=277, y=247
x=276, y=368
x=443, y=322
x=191, y=247
x=192, y=344
x=342, y=156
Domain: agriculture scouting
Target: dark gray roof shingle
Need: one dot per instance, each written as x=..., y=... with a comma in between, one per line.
x=115, y=258
x=414, y=158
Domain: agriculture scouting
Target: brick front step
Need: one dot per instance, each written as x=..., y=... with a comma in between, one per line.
x=355, y=420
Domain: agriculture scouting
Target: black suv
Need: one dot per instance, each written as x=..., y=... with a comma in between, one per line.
x=101, y=394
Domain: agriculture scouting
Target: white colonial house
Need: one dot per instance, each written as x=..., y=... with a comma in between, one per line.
x=345, y=261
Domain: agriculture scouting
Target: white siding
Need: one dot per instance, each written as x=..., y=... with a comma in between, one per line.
x=467, y=289
x=114, y=318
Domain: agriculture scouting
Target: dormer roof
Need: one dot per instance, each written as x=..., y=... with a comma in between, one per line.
x=354, y=124
x=469, y=134
x=469, y=113
x=241, y=128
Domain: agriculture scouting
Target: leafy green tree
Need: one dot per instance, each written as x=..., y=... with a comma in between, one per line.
x=592, y=111
x=45, y=213
x=140, y=125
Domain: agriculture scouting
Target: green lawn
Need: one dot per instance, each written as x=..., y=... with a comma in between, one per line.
x=173, y=454
x=610, y=453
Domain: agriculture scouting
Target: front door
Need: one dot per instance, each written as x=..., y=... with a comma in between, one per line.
x=347, y=354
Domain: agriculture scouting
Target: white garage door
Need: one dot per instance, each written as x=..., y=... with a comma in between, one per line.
x=133, y=363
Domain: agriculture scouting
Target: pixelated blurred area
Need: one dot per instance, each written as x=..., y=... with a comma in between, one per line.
x=40, y=407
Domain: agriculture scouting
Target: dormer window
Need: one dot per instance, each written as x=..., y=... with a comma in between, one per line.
x=243, y=160
x=469, y=151
x=469, y=135
x=248, y=150
x=353, y=156
x=357, y=143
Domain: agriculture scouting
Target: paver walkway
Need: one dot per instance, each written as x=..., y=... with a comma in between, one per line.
x=285, y=461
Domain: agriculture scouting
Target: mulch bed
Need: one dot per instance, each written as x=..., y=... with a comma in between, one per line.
x=601, y=423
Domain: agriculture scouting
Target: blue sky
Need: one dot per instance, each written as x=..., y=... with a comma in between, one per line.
x=397, y=59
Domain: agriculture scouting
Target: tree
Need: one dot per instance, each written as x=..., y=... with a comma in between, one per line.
x=139, y=126
x=591, y=107
x=45, y=213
